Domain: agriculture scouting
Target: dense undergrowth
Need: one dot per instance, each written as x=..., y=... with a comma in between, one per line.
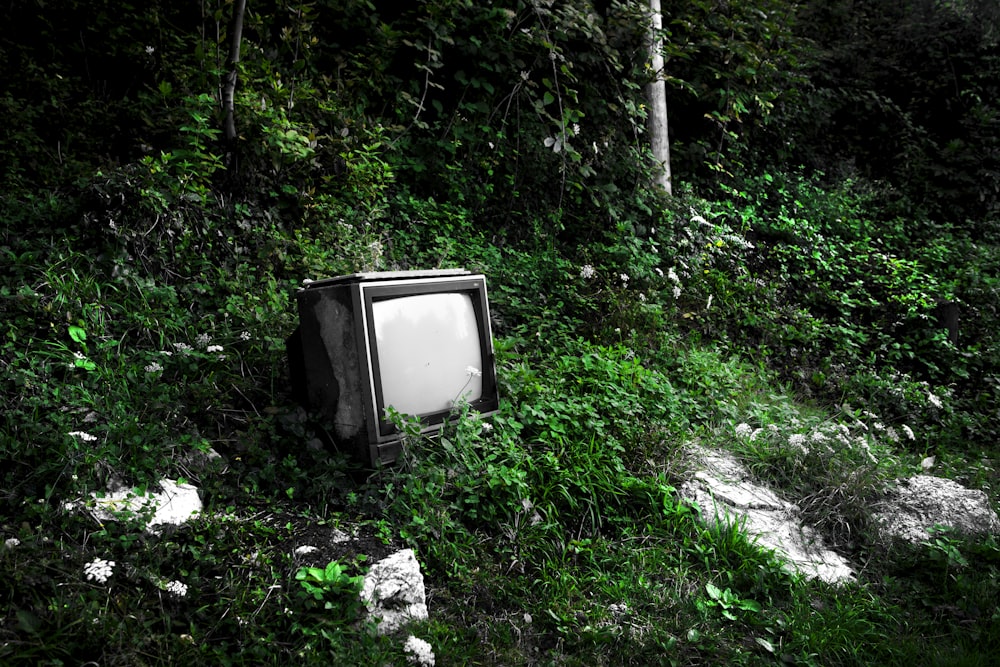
x=552, y=533
x=833, y=325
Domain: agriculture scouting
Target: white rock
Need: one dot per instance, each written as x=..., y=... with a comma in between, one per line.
x=925, y=501
x=724, y=493
x=174, y=504
x=393, y=591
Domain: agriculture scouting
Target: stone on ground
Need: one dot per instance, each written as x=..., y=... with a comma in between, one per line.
x=723, y=491
x=919, y=503
x=393, y=591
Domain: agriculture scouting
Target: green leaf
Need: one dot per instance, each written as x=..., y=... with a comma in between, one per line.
x=713, y=591
x=78, y=334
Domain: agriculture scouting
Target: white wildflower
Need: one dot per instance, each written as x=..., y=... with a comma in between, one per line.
x=743, y=430
x=934, y=401
x=624, y=277
x=11, y=542
x=677, y=291
x=487, y=427
x=819, y=436
x=472, y=371
x=183, y=348
x=798, y=441
x=642, y=297
x=418, y=652
x=672, y=276
x=908, y=432
x=202, y=340
x=177, y=588
x=153, y=368
x=524, y=75
x=99, y=570
x=659, y=271
x=245, y=335
x=891, y=434
x=214, y=348
x=576, y=128
x=86, y=437
x=150, y=50
x=586, y=272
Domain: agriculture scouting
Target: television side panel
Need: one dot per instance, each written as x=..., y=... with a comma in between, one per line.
x=334, y=365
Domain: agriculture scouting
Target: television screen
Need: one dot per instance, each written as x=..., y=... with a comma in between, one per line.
x=427, y=351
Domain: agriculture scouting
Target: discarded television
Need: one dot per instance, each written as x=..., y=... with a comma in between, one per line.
x=419, y=342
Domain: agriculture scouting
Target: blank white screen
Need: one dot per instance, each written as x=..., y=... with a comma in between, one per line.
x=425, y=344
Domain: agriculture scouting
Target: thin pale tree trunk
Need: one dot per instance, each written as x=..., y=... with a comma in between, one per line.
x=229, y=78
x=656, y=92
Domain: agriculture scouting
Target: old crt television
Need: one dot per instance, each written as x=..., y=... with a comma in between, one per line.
x=418, y=341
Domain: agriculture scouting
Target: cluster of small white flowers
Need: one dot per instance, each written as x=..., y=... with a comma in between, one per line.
x=934, y=401
x=624, y=277
x=202, y=340
x=86, y=437
x=798, y=441
x=183, y=348
x=177, y=588
x=587, y=272
x=214, y=348
x=418, y=652
x=153, y=368
x=695, y=218
x=744, y=430
x=472, y=371
x=908, y=432
x=245, y=335
x=11, y=542
x=99, y=570
x=487, y=427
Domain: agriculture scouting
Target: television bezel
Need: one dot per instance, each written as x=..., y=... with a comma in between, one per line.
x=380, y=430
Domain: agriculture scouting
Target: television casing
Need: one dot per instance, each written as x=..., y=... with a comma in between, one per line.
x=334, y=355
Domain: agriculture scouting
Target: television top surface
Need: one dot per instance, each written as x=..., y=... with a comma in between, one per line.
x=373, y=276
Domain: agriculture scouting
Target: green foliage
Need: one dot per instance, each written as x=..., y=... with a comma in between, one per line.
x=146, y=268
x=334, y=587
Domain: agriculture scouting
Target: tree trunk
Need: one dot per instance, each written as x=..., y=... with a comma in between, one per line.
x=229, y=79
x=656, y=92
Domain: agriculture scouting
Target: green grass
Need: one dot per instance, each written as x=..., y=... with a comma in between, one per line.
x=556, y=537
